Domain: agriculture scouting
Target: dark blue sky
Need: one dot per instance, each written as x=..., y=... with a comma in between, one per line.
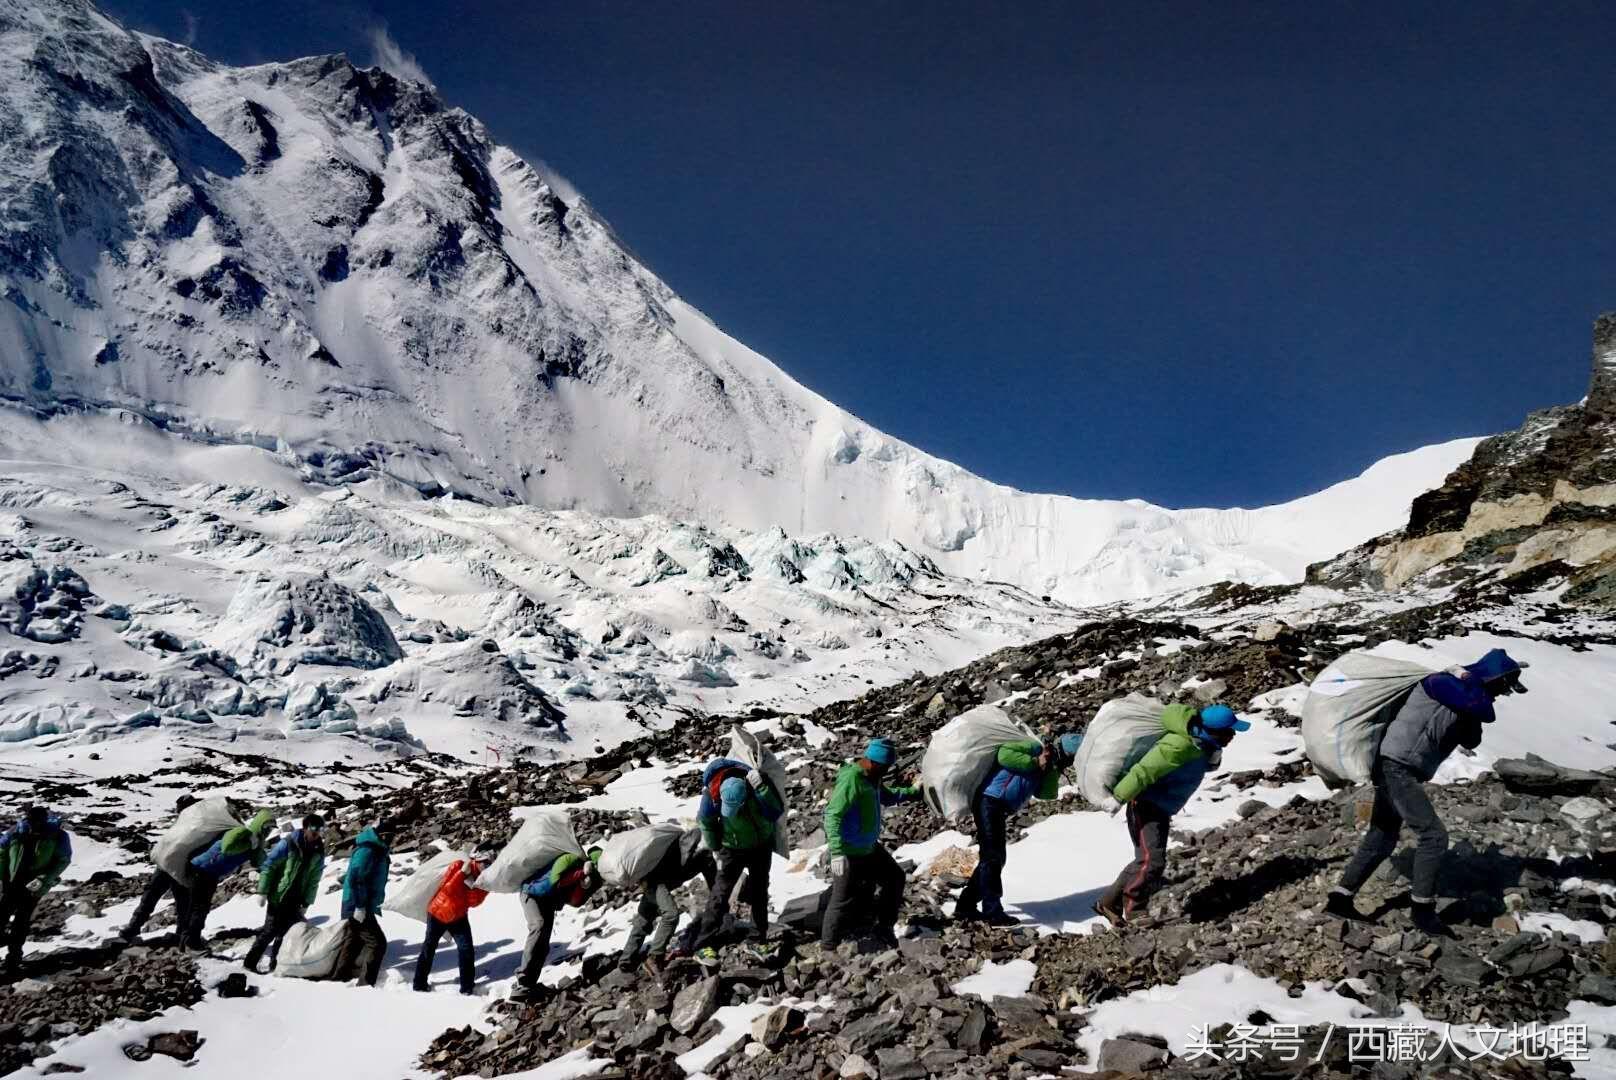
x=1200, y=254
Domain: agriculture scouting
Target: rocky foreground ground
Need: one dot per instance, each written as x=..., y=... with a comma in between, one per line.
x=1533, y=838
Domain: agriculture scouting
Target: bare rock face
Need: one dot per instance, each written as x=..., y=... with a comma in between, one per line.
x=1536, y=505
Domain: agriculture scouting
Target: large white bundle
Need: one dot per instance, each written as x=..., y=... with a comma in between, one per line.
x=1347, y=710
x=198, y=826
x=310, y=952
x=412, y=898
x=747, y=747
x=962, y=753
x=1120, y=734
x=543, y=838
x=629, y=857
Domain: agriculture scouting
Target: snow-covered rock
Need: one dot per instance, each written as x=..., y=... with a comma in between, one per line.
x=304, y=619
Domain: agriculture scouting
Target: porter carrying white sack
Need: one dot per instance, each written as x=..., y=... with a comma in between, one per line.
x=962, y=753
x=310, y=952
x=1347, y=710
x=412, y=898
x=629, y=857
x=1121, y=733
x=544, y=837
x=197, y=827
x=748, y=748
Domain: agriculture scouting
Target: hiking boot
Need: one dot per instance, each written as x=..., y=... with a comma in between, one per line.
x=1427, y=921
x=707, y=957
x=653, y=966
x=762, y=950
x=964, y=913
x=1341, y=906
x=1110, y=915
x=1001, y=919
x=625, y=963
x=128, y=935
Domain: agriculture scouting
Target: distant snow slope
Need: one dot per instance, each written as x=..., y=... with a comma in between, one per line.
x=156, y=591
x=332, y=264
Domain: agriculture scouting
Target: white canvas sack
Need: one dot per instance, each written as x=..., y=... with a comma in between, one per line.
x=962, y=753
x=412, y=898
x=1120, y=734
x=310, y=952
x=197, y=827
x=629, y=857
x=748, y=748
x=543, y=838
x=1347, y=710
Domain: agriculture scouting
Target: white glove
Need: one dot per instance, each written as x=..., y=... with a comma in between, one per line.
x=755, y=778
x=357, y=916
x=1110, y=805
x=838, y=866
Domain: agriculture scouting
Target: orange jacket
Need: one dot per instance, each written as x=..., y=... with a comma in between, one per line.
x=454, y=897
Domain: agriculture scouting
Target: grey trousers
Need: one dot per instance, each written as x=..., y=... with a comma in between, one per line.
x=1400, y=800
x=536, y=949
x=657, y=908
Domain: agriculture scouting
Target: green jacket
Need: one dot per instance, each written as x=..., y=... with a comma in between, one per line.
x=853, y=814
x=292, y=870
x=27, y=855
x=752, y=827
x=1175, y=749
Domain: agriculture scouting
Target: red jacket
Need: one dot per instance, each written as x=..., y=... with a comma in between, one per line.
x=454, y=897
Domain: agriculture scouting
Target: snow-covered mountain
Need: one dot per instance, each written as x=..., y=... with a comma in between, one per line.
x=332, y=264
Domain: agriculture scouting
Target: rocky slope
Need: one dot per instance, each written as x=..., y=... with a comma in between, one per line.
x=334, y=265
x=1236, y=945
x=1533, y=504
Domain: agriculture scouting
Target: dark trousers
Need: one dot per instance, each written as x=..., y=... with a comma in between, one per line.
x=362, y=952
x=985, y=890
x=17, y=906
x=755, y=863
x=873, y=884
x=1148, y=826
x=202, y=889
x=1400, y=799
x=460, y=930
x=278, y=918
x=159, y=886
x=540, y=915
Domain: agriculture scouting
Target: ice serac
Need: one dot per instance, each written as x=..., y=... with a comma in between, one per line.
x=333, y=264
x=1531, y=508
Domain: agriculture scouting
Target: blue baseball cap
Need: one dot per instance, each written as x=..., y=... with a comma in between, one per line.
x=1221, y=717
x=731, y=794
x=881, y=751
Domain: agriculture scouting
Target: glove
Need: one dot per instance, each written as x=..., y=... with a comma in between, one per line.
x=1110, y=805
x=838, y=866
x=357, y=916
x=755, y=778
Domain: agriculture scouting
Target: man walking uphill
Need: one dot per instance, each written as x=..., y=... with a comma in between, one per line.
x=863, y=875
x=738, y=815
x=1024, y=769
x=236, y=848
x=33, y=854
x=289, y=883
x=1445, y=711
x=1155, y=788
x=569, y=881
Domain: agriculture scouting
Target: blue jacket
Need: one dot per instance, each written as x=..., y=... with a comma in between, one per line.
x=1171, y=792
x=364, y=886
x=239, y=846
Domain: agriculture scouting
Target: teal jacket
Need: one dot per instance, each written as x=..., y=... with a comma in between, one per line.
x=853, y=814
x=364, y=886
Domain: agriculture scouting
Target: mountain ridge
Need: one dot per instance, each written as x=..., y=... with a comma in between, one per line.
x=334, y=264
